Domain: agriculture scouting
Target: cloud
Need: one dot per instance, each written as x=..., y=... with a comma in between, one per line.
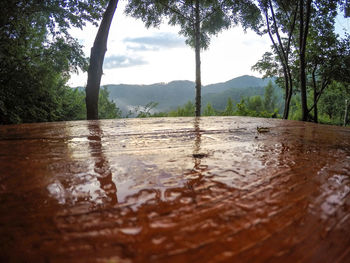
x=141, y=48
x=155, y=42
x=122, y=61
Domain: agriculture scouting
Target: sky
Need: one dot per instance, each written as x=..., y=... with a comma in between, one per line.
x=137, y=55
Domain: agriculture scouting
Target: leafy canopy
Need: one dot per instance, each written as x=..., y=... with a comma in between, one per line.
x=37, y=54
x=215, y=15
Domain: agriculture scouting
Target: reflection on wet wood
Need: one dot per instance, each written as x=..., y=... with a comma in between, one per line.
x=175, y=190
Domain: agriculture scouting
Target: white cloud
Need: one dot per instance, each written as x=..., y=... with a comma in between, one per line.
x=122, y=62
x=159, y=40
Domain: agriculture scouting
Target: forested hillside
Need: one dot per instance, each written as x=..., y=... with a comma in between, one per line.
x=171, y=95
x=167, y=95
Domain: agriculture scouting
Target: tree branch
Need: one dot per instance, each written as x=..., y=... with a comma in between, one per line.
x=271, y=36
x=325, y=84
x=177, y=12
x=303, y=35
x=214, y=11
x=292, y=28
x=277, y=33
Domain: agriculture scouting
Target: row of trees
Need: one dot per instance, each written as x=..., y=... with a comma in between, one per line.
x=270, y=105
x=255, y=106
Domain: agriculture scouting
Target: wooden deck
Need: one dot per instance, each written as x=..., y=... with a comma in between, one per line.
x=175, y=190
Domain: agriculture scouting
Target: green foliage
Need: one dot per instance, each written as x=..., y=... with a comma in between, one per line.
x=295, y=109
x=229, y=110
x=107, y=109
x=187, y=110
x=332, y=103
x=269, y=98
x=255, y=103
x=268, y=65
x=242, y=109
x=145, y=111
x=36, y=56
x=170, y=95
x=327, y=55
x=55, y=15
x=255, y=106
x=209, y=110
x=72, y=105
x=258, y=106
x=213, y=17
x=34, y=94
x=218, y=100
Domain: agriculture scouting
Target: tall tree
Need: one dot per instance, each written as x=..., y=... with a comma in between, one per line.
x=280, y=24
x=197, y=32
x=304, y=22
x=328, y=57
x=198, y=21
x=98, y=52
x=317, y=17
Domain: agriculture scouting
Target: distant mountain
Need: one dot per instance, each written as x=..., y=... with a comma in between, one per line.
x=240, y=82
x=176, y=93
x=167, y=95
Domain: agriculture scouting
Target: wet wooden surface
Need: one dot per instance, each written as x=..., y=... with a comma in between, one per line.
x=175, y=190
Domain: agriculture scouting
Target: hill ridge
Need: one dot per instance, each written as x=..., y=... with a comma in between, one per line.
x=177, y=92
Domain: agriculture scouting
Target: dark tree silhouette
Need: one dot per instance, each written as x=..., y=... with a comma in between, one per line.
x=98, y=52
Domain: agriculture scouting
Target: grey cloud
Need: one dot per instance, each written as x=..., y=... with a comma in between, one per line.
x=157, y=41
x=141, y=48
x=122, y=62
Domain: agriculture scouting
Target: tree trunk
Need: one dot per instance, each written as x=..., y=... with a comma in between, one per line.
x=346, y=113
x=198, y=60
x=289, y=74
x=96, y=61
x=289, y=97
x=316, y=94
x=302, y=73
x=303, y=32
x=283, y=53
x=286, y=86
x=315, y=107
x=289, y=90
